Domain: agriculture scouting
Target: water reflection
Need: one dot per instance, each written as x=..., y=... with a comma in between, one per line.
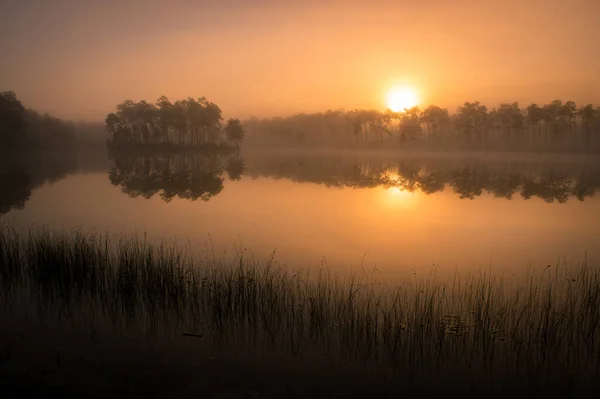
x=186, y=176
x=468, y=178
x=398, y=211
x=15, y=183
x=20, y=175
x=192, y=176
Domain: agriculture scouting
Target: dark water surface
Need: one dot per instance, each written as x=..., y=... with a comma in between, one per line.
x=393, y=212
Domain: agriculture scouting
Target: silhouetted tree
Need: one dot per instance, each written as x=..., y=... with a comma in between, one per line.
x=588, y=114
x=46, y=131
x=535, y=114
x=471, y=119
x=569, y=112
x=234, y=131
x=12, y=120
x=410, y=123
x=510, y=119
x=189, y=122
x=434, y=117
x=554, y=120
x=27, y=129
x=473, y=126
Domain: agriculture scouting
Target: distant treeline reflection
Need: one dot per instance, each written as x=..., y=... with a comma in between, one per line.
x=193, y=176
x=467, y=178
x=20, y=175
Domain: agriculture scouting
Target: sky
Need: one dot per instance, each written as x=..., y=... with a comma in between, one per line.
x=77, y=59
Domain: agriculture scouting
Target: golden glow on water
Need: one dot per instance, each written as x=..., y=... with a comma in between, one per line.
x=393, y=229
x=396, y=197
x=396, y=192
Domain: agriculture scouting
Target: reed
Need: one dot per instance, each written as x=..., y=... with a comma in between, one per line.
x=541, y=330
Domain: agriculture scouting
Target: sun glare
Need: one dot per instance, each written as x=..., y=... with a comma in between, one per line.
x=400, y=99
x=397, y=192
x=396, y=197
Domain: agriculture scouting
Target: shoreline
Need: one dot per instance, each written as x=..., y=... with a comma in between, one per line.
x=471, y=332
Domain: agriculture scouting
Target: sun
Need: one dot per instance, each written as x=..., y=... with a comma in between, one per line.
x=403, y=98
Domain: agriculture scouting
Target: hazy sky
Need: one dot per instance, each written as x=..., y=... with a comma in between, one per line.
x=79, y=58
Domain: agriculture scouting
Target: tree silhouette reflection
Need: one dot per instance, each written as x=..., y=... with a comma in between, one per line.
x=16, y=188
x=21, y=175
x=194, y=176
x=185, y=176
x=468, y=179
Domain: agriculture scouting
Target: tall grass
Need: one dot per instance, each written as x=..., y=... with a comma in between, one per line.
x=541, y=330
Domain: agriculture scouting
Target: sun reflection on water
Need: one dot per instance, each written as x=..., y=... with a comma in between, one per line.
x=398, y=197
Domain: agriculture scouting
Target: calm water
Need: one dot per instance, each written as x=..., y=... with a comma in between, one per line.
x=391, y=212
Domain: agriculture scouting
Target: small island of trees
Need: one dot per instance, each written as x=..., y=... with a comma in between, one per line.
x=188, y=123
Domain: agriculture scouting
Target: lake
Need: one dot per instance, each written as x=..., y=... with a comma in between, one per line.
x=386, y=213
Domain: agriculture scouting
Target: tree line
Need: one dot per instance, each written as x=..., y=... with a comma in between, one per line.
x=21, y=174
x=23, y=128
x=557, y=125
x=185, y=123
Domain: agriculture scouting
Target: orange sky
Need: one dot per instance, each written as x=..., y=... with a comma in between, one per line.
x=78, y=58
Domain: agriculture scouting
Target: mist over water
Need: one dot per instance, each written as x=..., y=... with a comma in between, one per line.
x=299, y=255
x=299, y=199
x=349, y=210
